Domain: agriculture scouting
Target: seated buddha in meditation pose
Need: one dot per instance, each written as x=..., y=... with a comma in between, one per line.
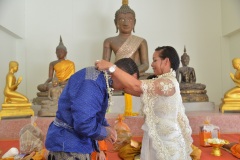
x=190, y=90
x=61, y=68
x=186, y=73
x=126, y=45
x=10, y=91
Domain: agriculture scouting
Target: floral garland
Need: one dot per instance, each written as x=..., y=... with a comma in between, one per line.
x=170, y=73
x=109, y=90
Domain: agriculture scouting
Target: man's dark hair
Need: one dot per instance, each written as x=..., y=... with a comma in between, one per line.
x=171, y=53
x=128, y=65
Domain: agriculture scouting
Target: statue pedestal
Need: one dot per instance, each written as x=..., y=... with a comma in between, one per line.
x=51, y=112
x=38, y=100
x=194, y=97
x=230, y=105
x=16, y=110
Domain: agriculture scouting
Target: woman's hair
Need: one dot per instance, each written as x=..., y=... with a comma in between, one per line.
x=128, y=65
x=170, y=53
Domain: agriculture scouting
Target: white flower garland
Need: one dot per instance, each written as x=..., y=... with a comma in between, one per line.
x=170, y=73
x=109, y=90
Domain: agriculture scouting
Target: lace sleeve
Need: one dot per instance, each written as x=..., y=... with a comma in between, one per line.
x=164, y=87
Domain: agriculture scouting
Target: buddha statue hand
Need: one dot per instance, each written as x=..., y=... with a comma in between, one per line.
x=19, y=80
x=232, y=76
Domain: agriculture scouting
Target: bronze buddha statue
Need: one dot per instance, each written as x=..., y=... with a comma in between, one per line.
x=190, y=90
x=126, y=45
x=61, y=68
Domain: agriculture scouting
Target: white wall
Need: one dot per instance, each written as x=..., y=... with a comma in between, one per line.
x=12, y=16
x=85, y=24
x=12, y=30
x=230, y=16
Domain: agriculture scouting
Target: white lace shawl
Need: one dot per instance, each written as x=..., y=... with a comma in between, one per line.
x=165, y=118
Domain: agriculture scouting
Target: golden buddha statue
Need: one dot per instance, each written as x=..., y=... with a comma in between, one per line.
x=15, y=103
x=231, y=100
x=61, y=68
x=190, y=90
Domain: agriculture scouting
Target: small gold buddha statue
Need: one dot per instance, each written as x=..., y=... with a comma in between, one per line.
x=190, y=90
x=231, y=100
x=15, y=103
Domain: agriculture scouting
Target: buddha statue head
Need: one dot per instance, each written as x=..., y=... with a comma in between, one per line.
x=61, y=50
x=125, y=9
x=61, y=45
x=185, y=58
x=13, y=65
x=236, y=63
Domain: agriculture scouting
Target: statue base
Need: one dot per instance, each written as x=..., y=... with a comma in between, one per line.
x=195, y=97
x=16, y=110
x=38, y=100
x=46, y=113
x=230, y=104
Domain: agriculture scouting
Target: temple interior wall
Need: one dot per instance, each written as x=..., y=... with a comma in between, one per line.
x=30, y=30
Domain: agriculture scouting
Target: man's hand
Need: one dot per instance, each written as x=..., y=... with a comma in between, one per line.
x=101, y=156
x=102, y=65
x=112, y=135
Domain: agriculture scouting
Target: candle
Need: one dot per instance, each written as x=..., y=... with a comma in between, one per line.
x=128, y=104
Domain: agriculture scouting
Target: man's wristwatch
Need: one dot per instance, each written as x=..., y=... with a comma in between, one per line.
x=112, y=69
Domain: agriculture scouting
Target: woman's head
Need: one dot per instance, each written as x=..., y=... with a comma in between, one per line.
x=165, y=58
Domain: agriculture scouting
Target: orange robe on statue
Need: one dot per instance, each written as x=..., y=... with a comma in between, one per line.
x=64, y=70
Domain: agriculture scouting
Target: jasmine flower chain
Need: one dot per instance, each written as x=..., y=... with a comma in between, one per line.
x=109, y=90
